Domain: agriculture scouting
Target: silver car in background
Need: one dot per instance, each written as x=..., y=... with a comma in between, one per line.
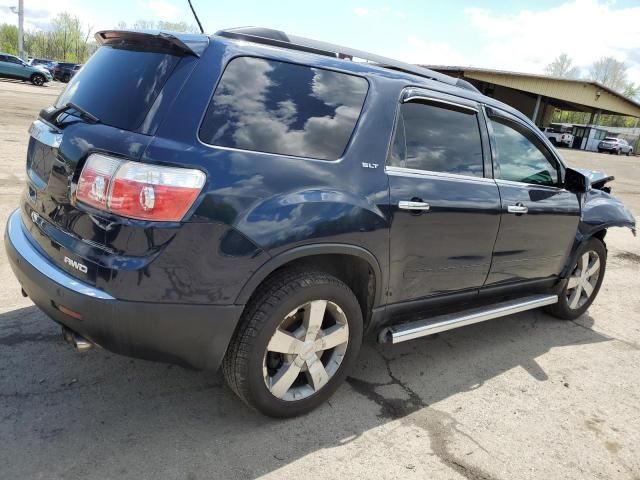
x=615, y=145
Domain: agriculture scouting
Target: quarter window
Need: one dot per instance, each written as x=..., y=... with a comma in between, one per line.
x=437, y=137
x=521, y=156
x=283, y=108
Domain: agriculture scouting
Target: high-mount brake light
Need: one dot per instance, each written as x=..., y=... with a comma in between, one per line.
x=138, y=190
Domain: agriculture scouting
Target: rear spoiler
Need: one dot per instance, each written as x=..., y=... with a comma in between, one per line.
x=186, y=43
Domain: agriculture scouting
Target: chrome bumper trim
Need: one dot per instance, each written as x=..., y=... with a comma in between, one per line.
x=29, y=254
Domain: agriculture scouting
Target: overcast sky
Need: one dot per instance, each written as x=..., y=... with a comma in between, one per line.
x=512, y=35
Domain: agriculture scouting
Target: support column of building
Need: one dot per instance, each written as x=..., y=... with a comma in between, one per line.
x=597, y=120
x=536, y=109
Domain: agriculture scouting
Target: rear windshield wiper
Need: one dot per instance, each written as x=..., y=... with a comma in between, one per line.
x=51, y=115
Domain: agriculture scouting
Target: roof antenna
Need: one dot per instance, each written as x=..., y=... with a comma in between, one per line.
x=196, y=16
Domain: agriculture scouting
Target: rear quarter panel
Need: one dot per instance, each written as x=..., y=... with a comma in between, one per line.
x=282, y=202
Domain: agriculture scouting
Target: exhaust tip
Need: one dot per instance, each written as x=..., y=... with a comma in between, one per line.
x=76, y=340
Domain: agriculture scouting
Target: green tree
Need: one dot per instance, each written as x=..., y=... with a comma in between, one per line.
x=9, y=38
x=66, y=40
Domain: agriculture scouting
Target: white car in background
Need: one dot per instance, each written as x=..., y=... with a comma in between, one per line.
x=557, y=137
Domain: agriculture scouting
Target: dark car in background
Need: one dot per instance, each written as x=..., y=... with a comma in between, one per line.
x=75, y=69
x=258, y=201
x=615, y=146
x=63, y=71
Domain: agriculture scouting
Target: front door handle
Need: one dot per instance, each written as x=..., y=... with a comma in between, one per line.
x=413, y=206
x=518, y=209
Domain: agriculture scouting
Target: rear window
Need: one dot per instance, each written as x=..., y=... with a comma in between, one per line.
x=609, y=139
x=119, y=85
x=283, y=108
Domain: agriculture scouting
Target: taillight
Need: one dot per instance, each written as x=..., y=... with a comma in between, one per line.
x=138, y=190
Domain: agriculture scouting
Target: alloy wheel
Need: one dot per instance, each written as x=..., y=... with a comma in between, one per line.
x=583, y=280
x=306, y=350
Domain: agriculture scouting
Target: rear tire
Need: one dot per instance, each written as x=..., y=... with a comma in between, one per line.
x=37, y=79
x=278, y=361
x=66, y=78
x=584, y=281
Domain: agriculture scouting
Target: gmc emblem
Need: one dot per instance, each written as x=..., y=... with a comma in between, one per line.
x=75, y=264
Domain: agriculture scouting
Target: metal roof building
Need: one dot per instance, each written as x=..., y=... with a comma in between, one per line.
x=537, y=95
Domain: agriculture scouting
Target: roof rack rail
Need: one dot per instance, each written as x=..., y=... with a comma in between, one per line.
x=278, y=38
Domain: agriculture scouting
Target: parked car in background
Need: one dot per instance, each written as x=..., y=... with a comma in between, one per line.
x=256, y=201
x=615, y=145
x=14, y=67
x=557, y=137
x=63, y=71
x=49, y=65
x=75, y=70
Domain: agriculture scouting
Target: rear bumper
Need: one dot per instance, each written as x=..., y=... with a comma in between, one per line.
x=187, y=334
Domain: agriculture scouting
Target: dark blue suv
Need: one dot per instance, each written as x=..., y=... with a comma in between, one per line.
x=261, y=201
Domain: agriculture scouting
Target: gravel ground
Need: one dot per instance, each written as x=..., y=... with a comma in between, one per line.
x=526, y=396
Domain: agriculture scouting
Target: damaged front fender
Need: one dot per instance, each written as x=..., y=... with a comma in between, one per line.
x=601, y=211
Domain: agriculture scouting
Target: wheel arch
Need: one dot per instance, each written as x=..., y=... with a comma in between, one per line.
x=347, y=262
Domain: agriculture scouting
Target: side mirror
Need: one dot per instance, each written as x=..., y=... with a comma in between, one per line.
x=576, y=182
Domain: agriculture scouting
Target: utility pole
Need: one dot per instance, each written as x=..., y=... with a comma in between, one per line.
x=21, y=29
x=20, y=12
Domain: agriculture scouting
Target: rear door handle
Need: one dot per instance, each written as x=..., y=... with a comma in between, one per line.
x=517, y=209
x=413, y=206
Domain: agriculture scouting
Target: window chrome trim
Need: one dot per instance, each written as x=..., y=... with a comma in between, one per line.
x=440, y=101
x=415, y=173
x=514, y=183
x=29, y=254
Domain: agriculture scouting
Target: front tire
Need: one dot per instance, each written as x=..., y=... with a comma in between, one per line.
x=298, y=338
x=584, y=281
x=37, y=79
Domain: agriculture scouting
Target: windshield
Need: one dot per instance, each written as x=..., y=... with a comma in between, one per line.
x=119, y=85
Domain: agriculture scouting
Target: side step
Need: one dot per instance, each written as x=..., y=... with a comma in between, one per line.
x=422, y=328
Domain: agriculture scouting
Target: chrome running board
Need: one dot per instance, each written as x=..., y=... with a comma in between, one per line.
x=421, y=328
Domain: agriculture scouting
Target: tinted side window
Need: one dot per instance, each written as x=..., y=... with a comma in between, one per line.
x=521, y=156
x=276, y=107
x=437, y=138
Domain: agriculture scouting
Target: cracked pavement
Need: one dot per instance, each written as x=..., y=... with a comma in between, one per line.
x=525, y=396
